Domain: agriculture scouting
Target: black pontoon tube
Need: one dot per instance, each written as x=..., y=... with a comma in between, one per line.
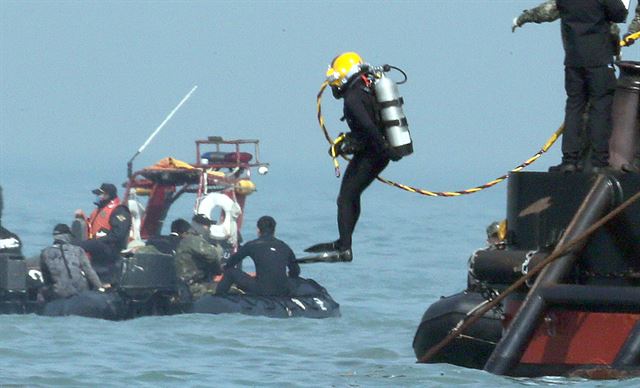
x=592, y=297
x=509, y=350
x=503, y=266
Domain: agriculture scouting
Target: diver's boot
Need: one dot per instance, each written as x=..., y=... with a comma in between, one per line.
x=338, y=256
x=334, y=256
x=345, y=255
x=323, y=247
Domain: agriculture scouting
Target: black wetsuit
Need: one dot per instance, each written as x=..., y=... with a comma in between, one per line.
x=371, y=158
x=589, y=74
x=271, y=257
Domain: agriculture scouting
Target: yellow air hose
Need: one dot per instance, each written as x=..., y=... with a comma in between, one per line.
x=631, y=38
x=416, y=190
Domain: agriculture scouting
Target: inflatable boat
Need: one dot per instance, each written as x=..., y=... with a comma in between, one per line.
x=149, y=287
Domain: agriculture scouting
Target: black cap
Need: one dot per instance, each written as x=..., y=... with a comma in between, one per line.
x=61, y=229
x=108, y=188
x=180, y=226
x=202, y=220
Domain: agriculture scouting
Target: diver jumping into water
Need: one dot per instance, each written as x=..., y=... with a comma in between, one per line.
x=350, y=81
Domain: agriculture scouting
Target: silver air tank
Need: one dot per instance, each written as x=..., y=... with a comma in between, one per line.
x=393, y=118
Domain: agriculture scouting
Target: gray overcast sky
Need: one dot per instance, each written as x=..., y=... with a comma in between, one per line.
x=86, y=78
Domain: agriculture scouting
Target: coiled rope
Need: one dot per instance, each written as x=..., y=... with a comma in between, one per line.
x=425, y=192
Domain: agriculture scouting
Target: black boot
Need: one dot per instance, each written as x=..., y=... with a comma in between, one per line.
x=323, y=247
x=632, y=167
x=339, y=256
x=334, y=256
x=345, y=255
x=564, y=167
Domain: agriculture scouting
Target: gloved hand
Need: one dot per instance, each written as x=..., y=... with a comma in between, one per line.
x=8, y=243
x=348, y=146
x=515, y=24
x=628, y=41
x=105, y=287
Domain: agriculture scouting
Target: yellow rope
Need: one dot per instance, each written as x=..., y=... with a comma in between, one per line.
x=425, y=192
x=630, y=39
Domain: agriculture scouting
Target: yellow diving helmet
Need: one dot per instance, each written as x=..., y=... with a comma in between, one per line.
x=342, y=67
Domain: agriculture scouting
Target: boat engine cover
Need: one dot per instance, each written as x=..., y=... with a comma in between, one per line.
x=148, y=271
x=13, y=272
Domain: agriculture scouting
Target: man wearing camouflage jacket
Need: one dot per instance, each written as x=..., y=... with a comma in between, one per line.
x=197, y=260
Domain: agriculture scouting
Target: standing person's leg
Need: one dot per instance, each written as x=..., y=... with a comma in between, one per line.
x=577, y=97
x=602, y=85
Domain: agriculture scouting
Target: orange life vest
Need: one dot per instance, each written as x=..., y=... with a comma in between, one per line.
x=99, y=219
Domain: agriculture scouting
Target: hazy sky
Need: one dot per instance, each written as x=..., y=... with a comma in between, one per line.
x=84, y=83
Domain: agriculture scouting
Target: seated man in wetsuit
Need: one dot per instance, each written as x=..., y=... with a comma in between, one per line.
x=65, y=267
x=271, y=256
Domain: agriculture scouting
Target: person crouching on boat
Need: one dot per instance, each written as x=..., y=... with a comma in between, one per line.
x=271, y=257
x=65, y=267
x=108, y=232
x=197, y=260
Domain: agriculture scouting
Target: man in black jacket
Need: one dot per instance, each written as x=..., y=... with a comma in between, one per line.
x=108, y=231
x=271, y=257
x=589, y=76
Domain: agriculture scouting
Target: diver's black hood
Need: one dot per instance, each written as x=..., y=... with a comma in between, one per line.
x=338, y=92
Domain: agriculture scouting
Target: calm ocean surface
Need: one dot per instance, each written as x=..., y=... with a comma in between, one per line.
x=408, y=251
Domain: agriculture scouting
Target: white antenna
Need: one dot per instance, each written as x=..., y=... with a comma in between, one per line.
x=169, y=116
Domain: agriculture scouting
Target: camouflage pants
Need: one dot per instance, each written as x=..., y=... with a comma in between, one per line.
x=199, y=289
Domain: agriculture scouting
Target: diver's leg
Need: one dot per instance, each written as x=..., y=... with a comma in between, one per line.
x=362, y=170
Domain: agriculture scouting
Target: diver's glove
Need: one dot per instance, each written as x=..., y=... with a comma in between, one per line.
x=344, y=144
x=516, y=23
x=9, y=243
x=627, y=40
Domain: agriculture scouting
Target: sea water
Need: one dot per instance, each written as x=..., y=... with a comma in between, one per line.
x=408, y=251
